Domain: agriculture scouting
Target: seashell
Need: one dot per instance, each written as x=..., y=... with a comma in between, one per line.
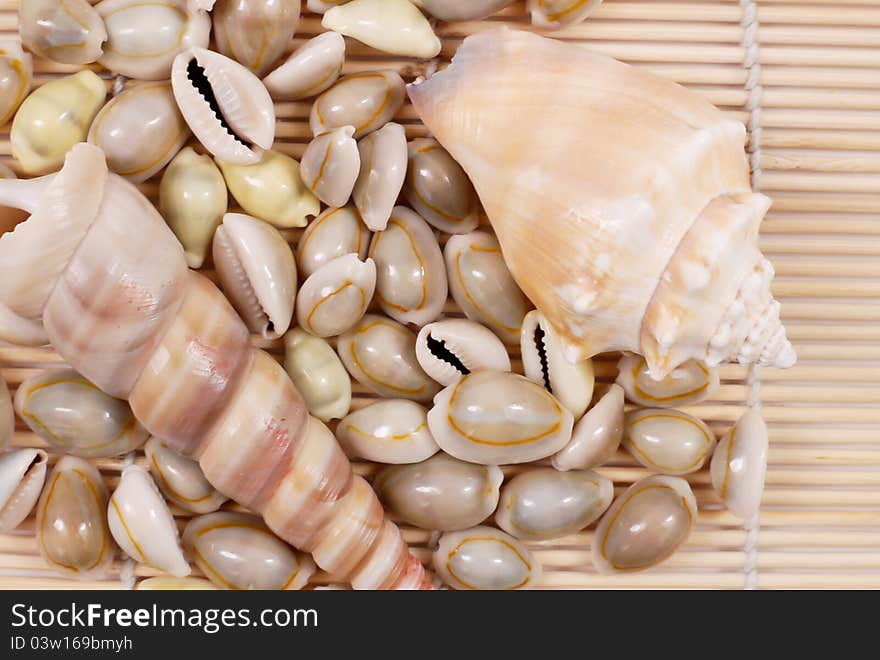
x=596, y=436
x=739, y=465
x=193, y=200
x=483, y=287
x=543, y=503
x=271, y=190
x=441, y=493
x=668, y=441
x=237, y=551
x=309, y=70
x=332, y=234
x=257, y=271
x=461, y=10
x=170, y=583
x=254, y=32
x=73, y=415
x=689, y=383
x=143, y=39
x=9, y=327
x=656, y=251
x=140, y=131
x=335, y=296
x=71, y=525
x=497, y=417
x=330, y=165
x=452, y=348
x=318, y=374
x=68, y=31
x=7, y=414
x=645, y=525
x=555, y=14
x=366, y=101
x=54, y=118
x=381, y=355
x=226, y=106
x=16, y=73
x=438, y=188
x=22, y=473
x=410, y=274
x=390, y=431
x=383, y=169
x=392, y=26
x=545, y=363
x=142, y=524
x=485, y=558
x=181, y=479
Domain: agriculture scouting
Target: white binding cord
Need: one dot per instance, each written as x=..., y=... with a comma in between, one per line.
x=126, y=571
x=752, y=65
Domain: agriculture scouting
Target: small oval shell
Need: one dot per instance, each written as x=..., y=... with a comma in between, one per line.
x=383, y=169
x=226, y=106
x=739, y=465
x=318, y=374
x=554, y=14
x=438, y=188
x=181, y=479
x=66, y=31
x=483, y=287
x=271, y=190
x=391, y=431
x=330, y=165
x=142, y=524
x=72, y=532
x=256, y=268
x=544, y=503
x=461, y=10
x=7, y=414
x=596, y=436
x=496, y=417
x=410, y=274
x=310, y=69
x=392, y=26
x=140, y=131
x=73, y=415
x=144, y=38
x=193, y=199
x=237, y=551
x=667, y=441
x=381, y=355
x=645, y=525
x=685, y=385
x=332, y=234
x=254, y=32
x=485, y=558
x=441, y=493
x=366, y=101
x=22, y=473
x=335, y=296
x=16, y=73
x=452, y=348
x=170, y=583
x=53, y=119
x=544, y=362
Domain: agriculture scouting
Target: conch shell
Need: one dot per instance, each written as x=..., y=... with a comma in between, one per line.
x=624, y=212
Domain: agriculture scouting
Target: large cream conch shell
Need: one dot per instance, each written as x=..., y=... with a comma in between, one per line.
x=624, y=213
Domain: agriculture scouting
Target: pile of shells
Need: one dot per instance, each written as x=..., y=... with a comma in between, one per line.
x=391, y=228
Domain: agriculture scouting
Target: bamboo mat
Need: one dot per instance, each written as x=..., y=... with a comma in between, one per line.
x=804, y=75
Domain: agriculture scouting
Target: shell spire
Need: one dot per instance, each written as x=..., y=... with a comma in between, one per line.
x=625, y=212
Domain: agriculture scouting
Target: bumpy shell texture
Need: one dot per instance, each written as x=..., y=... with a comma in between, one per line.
x=625, y=214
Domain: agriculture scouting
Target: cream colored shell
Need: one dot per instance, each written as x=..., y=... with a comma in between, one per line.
x=739, y=465
x=383, y=169
x=254, y=32
x=461, y=10
x=596, y=436
x=271, y=189
x=310, y=69
x=7, y=414
x=318, y=374
x=366, y=101
x=389, y=431
x=485, y=558
x=335, y=296
x=171, y=583
x=16, y=72
x=668, y=441
x=392, y=26
x=193, y=199
x=496, y=418
x=380, y=354
x=555, y=14
x=22, y=473
x=330, y=165
x=689, y=383
x=54, y=118
x=337, y=231
x=140, y=130
x=451, y=348
x=66, y=31
x=181, y=479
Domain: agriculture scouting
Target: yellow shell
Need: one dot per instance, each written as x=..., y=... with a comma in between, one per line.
x=16, y=71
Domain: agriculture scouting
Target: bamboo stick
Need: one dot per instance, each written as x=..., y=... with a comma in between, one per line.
x=818, y=15
x=837, y=163
x=838, y=580
x=805, y=267
x=819, y=224
x=818, y=287
x=820, y=35
x=821, y=245
x=800, y=202
x=820, y=182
